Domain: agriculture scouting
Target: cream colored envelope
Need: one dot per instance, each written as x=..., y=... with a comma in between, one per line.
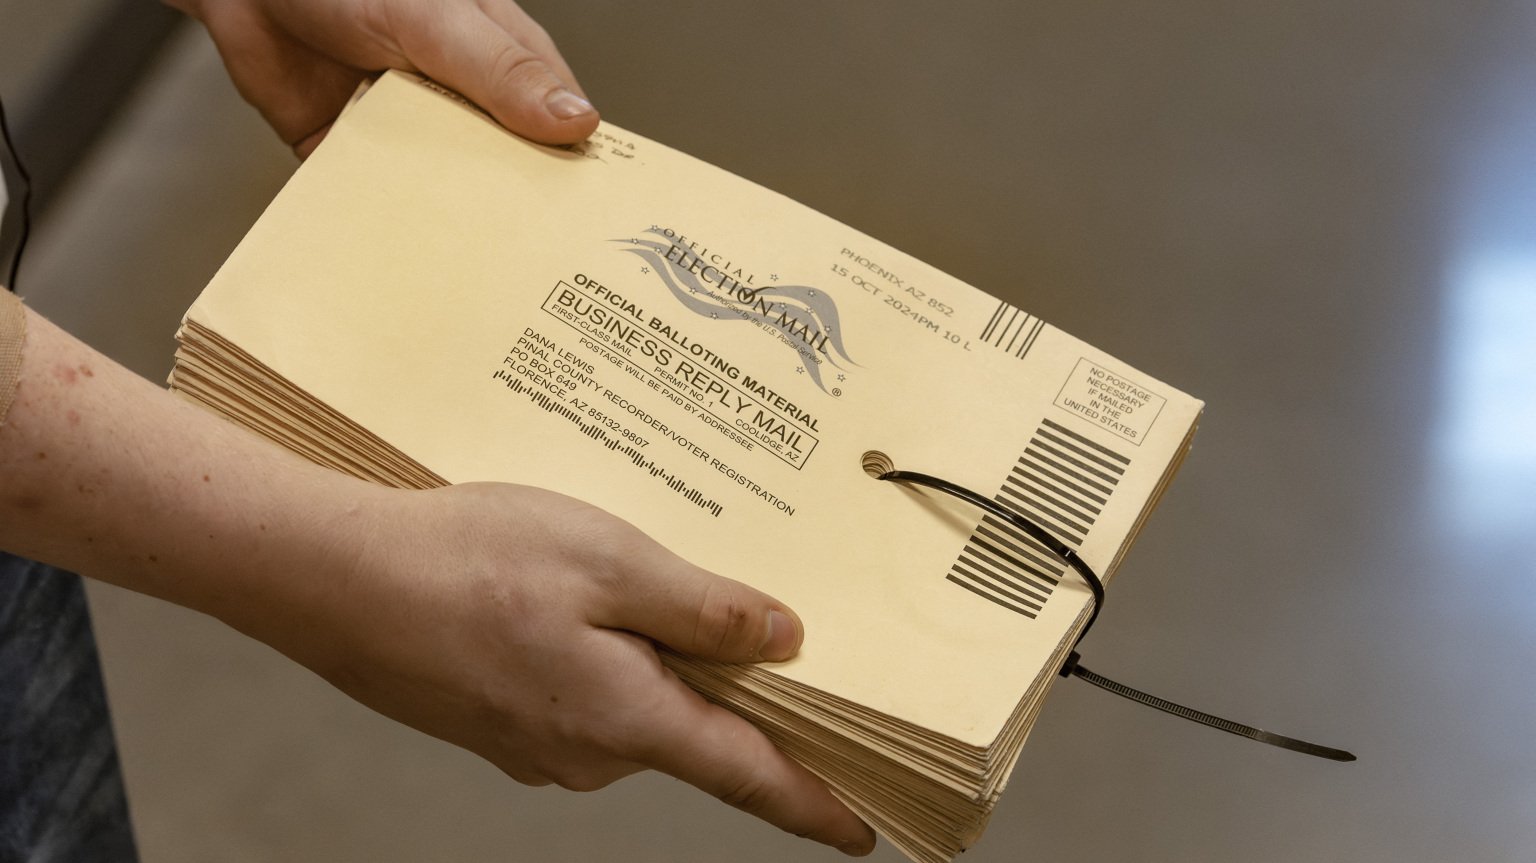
x=433, y=299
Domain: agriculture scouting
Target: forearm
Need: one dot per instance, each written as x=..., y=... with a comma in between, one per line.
x=495, y=617
x=106, y=474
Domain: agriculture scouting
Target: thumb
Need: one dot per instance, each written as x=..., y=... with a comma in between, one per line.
x=521, y=81
x=696, y=612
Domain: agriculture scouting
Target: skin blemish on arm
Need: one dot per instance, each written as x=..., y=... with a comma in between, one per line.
x=66, y=373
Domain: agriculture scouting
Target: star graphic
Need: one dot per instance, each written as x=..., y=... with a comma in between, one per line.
x=811, y=292
x=645, y=269
x=774, y=276
x=714, y=315
x=842, y=377
x=799, y=370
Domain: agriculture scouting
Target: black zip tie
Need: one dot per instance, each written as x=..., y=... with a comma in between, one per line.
x=1071, y=668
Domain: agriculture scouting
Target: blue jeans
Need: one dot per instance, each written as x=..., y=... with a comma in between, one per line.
x=61, y=790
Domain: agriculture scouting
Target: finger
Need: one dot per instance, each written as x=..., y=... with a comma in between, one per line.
x=301, y=100
x=691, y=610
x=523, y=776
x=571, y=775
x=529, y=32
x=307, y=144
x=469, y=51
x=725, y=756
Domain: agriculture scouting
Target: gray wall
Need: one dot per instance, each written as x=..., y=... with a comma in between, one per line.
x=34, y=36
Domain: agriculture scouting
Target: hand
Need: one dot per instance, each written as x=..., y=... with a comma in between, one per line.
x=298, y=61
x=514, y=622
x=517, y=623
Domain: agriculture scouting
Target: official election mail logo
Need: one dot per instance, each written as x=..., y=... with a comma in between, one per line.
x=802, y=318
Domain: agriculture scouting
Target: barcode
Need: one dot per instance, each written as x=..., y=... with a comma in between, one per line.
x=599, y=434
x=1012, y=329
x=1062, y=482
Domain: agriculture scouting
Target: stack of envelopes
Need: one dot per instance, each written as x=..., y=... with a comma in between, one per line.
x=432, y=300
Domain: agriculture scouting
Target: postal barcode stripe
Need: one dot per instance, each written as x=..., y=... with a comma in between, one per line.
x=1002, y=320
x=984, y=595
x=983, y=575
x=1063, y=475
x=1049, y=568
x=1082, y=468
x=1065, y=530
x=1052, y=495
x=1012, y=329
x=1029, y=340
x=1030, y=505
x=1058, y=427
x=1062, y=481
x=1043, y=470
x=1000, y=562
x=1064, y=501
x=997, y=315
x=1074, y=518
x=1067, y=445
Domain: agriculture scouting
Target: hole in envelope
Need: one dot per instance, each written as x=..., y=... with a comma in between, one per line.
x=877, y=463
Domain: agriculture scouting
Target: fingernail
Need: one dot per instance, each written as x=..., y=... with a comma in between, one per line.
x=783, y=637
x=856, y=847
x=565, y=105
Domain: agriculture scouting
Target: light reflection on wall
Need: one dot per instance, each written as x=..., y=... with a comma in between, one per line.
x=1487, y=435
